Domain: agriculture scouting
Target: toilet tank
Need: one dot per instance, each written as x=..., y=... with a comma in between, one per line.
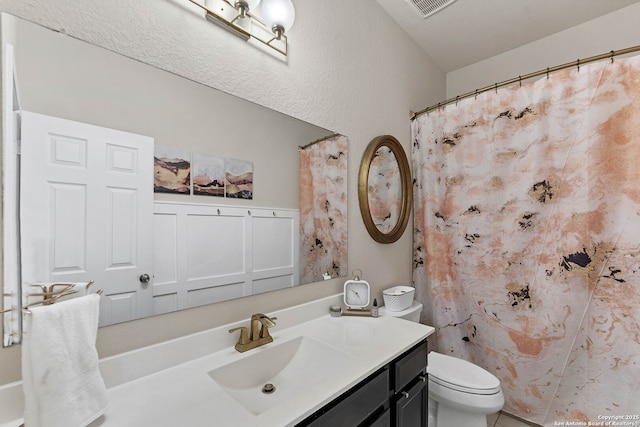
x=412, y=313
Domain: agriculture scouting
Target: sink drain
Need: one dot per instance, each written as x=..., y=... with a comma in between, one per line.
x=268, y=388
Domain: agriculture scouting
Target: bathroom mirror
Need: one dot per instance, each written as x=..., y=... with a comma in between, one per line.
x=64, y=77
x=384, y=189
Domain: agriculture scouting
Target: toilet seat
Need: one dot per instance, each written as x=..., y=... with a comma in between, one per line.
x=466, y=390
x=460, y=375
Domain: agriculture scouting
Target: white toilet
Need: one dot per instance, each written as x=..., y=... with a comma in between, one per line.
x=461, y=394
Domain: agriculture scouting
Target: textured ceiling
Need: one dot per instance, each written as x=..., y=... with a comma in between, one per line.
x=469, y=31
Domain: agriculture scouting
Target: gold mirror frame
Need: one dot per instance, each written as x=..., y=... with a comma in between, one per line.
x=363, y=188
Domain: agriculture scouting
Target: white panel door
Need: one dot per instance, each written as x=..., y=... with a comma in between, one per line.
x=86, y=211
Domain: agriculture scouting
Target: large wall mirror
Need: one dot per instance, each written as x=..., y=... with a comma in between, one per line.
x=384, y=189
x=62, y=77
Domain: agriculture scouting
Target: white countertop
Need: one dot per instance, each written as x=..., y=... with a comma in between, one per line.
x=168, y=384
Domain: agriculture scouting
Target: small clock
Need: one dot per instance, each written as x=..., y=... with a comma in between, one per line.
x=356, y=293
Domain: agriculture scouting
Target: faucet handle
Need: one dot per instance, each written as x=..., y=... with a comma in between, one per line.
x=267, y=322
x=244, y=335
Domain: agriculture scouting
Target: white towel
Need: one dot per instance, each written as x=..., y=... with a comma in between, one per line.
x=61, y=380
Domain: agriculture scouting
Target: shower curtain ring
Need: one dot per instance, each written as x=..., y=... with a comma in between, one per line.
x=496, y=88
x=476, y=94
x=520, y=80
x=547, y=73
x=612, y=53
x=578, y=63
x=457, y=100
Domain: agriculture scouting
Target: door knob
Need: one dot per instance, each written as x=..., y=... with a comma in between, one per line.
x=144, y=278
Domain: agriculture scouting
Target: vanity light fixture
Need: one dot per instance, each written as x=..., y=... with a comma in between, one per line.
x=266, y=21
x=244, y=6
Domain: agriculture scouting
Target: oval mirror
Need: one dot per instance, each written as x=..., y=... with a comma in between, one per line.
x=384, y=189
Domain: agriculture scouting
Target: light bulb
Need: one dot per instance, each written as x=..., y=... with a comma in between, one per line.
x=278, y=13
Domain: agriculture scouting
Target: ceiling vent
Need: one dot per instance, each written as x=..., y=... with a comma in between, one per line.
x=427, y=8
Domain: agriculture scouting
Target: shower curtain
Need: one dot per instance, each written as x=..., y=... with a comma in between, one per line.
x=527, y=240
x=323, y=209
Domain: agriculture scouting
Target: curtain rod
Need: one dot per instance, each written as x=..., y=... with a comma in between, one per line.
x=324, y=138
x=577, y=63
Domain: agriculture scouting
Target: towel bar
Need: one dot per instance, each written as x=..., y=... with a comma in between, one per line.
x=50, y=295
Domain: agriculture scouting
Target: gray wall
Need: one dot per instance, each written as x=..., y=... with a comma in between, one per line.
x=614, y=31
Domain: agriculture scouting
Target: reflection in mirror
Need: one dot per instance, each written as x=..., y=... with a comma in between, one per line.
x=194, y=257
x=384, y=189
x=323, y=209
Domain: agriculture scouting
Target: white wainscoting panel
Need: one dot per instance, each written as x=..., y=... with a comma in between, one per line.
x=165, y=261
x=275, y=251
x=211, y=253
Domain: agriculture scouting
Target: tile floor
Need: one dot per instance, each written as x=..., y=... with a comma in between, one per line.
x=504, y=420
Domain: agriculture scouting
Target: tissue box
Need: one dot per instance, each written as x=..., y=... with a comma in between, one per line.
x=398, y=298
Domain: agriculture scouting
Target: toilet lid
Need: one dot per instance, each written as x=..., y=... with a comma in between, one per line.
x=461, y=375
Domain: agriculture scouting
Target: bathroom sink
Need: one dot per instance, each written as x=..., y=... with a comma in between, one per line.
x=290, y=368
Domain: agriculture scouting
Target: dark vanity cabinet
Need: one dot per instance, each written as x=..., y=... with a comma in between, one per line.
x=393, y=396
x=410, y=385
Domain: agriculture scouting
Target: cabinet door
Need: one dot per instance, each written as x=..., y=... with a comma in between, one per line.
x=411, y=405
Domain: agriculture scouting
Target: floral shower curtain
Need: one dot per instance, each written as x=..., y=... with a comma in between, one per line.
x=323, y=209
x=527, y=240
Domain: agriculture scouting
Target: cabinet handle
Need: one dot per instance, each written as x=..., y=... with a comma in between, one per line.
x=405, y=394
x=423, y=378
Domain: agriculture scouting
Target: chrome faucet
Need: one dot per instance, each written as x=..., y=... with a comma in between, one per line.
x=259, y=334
